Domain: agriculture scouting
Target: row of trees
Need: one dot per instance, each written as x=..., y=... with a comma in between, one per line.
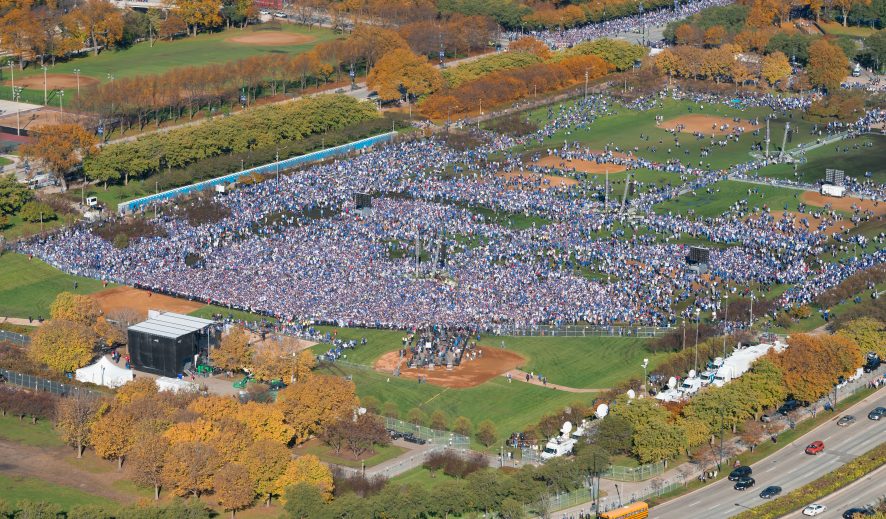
x=261, y=128
x=274, y=359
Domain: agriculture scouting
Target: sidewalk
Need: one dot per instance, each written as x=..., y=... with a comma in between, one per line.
x=520, y=376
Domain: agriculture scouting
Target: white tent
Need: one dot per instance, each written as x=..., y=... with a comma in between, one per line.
x=105, y=373
x=175, y=385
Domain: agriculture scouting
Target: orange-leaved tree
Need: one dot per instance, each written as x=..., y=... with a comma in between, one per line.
x=61, y=147
x=827, y=64
x=401, y=73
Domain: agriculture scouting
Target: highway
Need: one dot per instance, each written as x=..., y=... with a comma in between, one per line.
x=866, y=491
x=788, y=468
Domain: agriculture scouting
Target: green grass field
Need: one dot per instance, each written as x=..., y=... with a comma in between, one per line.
x=41, y=434
x=14, y=489
x=202, y=49
x=728, y=192
x=843, y=155
x=593, y=362
x=837, y=29
x=511, y=406
x=326, y=454
x=27, y=288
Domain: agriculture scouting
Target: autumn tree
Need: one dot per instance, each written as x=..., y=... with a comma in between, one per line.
x=199, y=13
x=112, y=435
x=401, y=73
x=280, y=359
x=439, y=420
x=812, y=364
x=233, y=488
x=108, y=333
x=76, y=308
x=234, y=353
x=364, y=432
x=486, y=433
x=99, y=21
x=146, y=460
x=827, y=65
x=657, y=441
x=714, y=36
x=462, y=426
x=63, y=346
x=317, y=400
x=306, y=469
x=266, y=461
x=265, y=421
x=868, y=333
x=775, y=67
x=685, y=34
x=74, y=419
x=532, y=46
x=60, y=147
x=188, y=468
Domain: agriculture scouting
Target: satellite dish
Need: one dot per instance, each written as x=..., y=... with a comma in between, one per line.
x=692, y=373
x=602, y=410
x=672, y=383
x=631, y=394
x=566, y=429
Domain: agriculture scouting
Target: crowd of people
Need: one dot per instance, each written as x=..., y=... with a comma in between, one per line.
x=295, y=248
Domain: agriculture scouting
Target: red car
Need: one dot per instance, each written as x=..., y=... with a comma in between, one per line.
x=815, y=447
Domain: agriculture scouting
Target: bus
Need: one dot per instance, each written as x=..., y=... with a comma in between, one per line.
x=639, y=510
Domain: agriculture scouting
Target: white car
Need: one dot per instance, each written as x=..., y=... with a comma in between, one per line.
x=814, y=509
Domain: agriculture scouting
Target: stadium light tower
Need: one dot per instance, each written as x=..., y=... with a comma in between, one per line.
x=77, y=73
x=44, y=85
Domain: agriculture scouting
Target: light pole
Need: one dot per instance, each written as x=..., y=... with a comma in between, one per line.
x=277, y=157
x=61, y=95
x=12, y=75
x=697, y=326
x=45, y=97
x=725, y=314
x=645, y=378
x=77, y=73
x=586, y=85
x=481, y=113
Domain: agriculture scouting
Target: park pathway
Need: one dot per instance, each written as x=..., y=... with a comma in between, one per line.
x=520, y=376
x=18, y=321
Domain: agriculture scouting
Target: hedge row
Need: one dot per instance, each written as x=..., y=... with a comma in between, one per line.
x=260, y=128
x=472, y=70
x=821, y=487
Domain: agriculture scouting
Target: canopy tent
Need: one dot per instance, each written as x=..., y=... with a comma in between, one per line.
x=105, y=373
x=175, y=385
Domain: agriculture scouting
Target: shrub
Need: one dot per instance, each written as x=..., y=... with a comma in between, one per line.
x=35, y=211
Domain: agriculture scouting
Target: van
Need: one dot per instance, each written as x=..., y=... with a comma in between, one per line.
x=856, y=70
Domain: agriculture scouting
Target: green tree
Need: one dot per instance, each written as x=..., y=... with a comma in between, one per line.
x=657, y=441
x=875, y=46
x=303, y=501
x=868, y=333
x=486, y=433
x=619, y=53
x=13, y=194
x=439, y=420
x=511, y=509
x=36, y=211
x=614, y=434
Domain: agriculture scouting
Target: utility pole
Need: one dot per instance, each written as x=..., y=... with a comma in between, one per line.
x=767, y=137
x=784, y=139
x=752, y=310
x=45, y=97
x=586, y=85
x=725, y=313
x=697, y=326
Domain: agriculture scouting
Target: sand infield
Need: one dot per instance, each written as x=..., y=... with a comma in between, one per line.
x=141, y=301
x=272, y=38
x=706, y=124
x=470, y=373
x=843, y=204
x=53, y=81
x=536, y=181
x=584, y=166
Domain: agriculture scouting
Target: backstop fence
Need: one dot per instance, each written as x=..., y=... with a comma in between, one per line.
x=15, y=338
x=641, y=473
x=41, y=384
x=434, y=436
x=316, y=156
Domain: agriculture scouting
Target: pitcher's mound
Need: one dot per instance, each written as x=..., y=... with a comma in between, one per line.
x=584, y=166
x=470, y=373
x=707, y=124
x=141, y=301
x=272, y=38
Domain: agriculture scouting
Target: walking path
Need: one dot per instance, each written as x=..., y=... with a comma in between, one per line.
x=521, y=376
x=18, y=321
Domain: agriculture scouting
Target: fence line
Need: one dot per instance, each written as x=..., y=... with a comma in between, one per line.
x=583, y=331
x=17, y=338
x=316, y=156
x=641, y=473
x=50, y=386
x=435, y=436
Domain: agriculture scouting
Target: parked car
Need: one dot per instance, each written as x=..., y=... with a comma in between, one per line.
x=788, y=406
x=264, y=12
x=744, y=483
x=846, y=420
x=872, y=362
x=855, y=512
x=814, y=509
x=395, y=435
x=280, y=14
x=740, y=472
x=877, y=413
x=770, y=492
x=766, y=418
x=815, y=447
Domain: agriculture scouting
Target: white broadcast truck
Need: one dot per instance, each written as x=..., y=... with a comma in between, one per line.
x=560, y=445
x=833, y=190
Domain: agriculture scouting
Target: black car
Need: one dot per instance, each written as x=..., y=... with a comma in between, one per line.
x=744, y=483
x=877, y=413
x=740, y=472
x=873, y=362
x=770, y=492
x=857, y=512
x=788, y=406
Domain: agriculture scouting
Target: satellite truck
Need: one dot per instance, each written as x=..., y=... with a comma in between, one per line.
x=560, y=445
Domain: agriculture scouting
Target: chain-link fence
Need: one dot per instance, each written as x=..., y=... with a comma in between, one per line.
x=641, y=473
x=582, y=331
x=16, y=338
x=555, y=502
x=42, y=384
x=427, y=434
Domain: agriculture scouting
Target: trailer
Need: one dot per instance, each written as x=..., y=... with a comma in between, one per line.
x=833, y=190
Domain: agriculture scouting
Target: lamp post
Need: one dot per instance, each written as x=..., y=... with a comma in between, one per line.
x=645, y=377
x=12, y=75
x=45, y=97
x=61, y=95
x=277, y=157
x=697, y=326
x=481, y=113
x=16, y=95
x=77, y=73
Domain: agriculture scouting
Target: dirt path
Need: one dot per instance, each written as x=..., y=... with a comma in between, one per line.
x=520, y=376
x=50, y=464
x=19, y=321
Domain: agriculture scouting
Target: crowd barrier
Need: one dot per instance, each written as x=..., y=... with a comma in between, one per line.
x=316, y=156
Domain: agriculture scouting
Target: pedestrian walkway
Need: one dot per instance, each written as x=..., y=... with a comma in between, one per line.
x=528, y=378
x=18, y=321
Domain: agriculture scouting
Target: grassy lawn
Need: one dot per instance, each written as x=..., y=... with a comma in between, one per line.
x=202, y=49
x=510, y=406
x=4, y=161
x=14, y=488
x=29, y=287
x=726, y=193
x=422, y=477
x=209, y=310
x=837, y=29
x=40, y=434
x=625, y=126
x=592, y=362
x=378, y=342
x=326, y=454
x=854, y=161
x=17, y=228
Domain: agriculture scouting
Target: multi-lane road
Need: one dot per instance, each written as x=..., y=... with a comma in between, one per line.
x=791, y=468
x=866, y=491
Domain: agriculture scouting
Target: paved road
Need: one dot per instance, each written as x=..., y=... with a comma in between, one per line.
x=866, y=491
x=788, y=468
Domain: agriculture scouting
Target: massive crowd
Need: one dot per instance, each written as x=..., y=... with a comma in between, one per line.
x=295, y=247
